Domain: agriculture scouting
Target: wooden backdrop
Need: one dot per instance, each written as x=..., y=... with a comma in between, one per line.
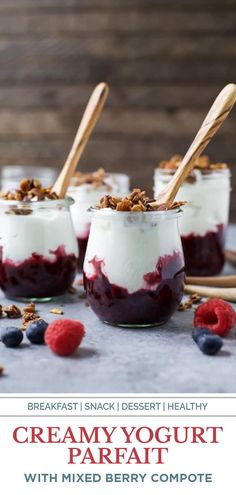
x=164, y=59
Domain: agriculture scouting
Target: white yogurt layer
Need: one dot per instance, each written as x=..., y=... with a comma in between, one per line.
x=86, y=196
x=39, y=232
x=130, y=245
x=208, y=201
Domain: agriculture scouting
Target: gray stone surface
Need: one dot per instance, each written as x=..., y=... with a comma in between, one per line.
x=158, y=360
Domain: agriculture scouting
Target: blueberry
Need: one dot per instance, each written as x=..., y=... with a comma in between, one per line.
x=36, y=330
x=209, y=344
x=199, y=332
x=11, y=336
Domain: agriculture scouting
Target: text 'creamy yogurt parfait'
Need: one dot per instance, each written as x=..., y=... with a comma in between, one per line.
x=134, y=266
x=204, y=222
x=86, y=190
x=38, y=247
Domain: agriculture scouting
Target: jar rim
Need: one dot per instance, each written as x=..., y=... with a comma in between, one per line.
x=158, y=215
x=50, y=203
x=216, y=174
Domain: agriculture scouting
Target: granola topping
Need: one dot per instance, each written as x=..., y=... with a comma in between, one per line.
x=137, y=201
x=201, y=163
x=96, y=179
x=29, y=190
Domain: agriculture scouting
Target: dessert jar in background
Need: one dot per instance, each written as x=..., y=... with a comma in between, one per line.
x=87, y=190
x=11, y=175
x=204, y=222
x=38, y=249
x=134, y=266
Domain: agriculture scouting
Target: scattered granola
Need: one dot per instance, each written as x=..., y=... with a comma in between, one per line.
x=28, y=317
x=12, y=311
x=30, y=308
x=71, y=290
x=29, y=314
x=96, y=179
x=57, y=311
x=24, y=326
x=1, y=369
x=185, y=305
x=137, y=201
x=191, y=301
x=195, y=298
x=29, y=190
x=1, y=311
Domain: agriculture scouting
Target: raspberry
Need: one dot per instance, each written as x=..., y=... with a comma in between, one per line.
x=64, y=336
x=216, y=315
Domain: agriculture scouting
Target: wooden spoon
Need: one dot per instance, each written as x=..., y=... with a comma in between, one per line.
x=230, y=256
x=222, y=293
x=221, y=281
x=215, y=117
x=89, y=119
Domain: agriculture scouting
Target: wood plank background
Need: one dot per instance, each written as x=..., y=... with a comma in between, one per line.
x=165, y=61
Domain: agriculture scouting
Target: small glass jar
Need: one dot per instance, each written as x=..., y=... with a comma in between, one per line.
x=38, y=249
x=86, y=195
x=134, y=267
x=11, y=175
x=205, y=219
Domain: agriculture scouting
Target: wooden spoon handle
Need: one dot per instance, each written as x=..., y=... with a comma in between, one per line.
x=226, y=294
x=215, y=117
x=89, y=119
x=223, y=281
x=230, y=256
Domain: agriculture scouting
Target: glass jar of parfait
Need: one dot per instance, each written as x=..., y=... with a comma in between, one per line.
x=204, y=222
x=11, y=175
x=38, y=247
x=86, y=190
x=134, y=265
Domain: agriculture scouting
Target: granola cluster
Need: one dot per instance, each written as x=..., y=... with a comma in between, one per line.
x=29, y=190
x=96, y=179
x=190, y=302
x=202, y=163
x=28, y=313
x=137, y=201
x=12, y=311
